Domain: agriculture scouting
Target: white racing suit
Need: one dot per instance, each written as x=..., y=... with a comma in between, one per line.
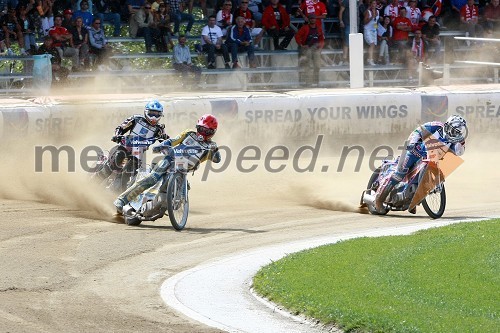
x=416, y=149
x=189, y=138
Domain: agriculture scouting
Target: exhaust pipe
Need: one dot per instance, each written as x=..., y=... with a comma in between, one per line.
x=369, y=199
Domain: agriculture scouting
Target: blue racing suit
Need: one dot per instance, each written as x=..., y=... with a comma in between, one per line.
x=416, y=147
x=188, y=137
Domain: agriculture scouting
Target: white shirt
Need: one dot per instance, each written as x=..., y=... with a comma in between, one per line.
x=212, y=33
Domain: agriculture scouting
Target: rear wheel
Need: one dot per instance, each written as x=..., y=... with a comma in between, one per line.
x=373, y=179
x=177, y=201
x=435, y=202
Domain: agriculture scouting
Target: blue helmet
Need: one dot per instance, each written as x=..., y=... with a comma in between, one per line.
x=153, y=111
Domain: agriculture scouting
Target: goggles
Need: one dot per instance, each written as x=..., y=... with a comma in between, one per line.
x=154, y=113
x=205, y=131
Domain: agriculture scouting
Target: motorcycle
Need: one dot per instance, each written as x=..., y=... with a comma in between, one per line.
x=170, y=194
x=123, y=174
x=423, y=184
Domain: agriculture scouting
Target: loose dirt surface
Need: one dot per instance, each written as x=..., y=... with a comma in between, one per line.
x=67, y=266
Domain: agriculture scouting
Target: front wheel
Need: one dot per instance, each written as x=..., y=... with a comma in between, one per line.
x=177, y=201
x=435, y=202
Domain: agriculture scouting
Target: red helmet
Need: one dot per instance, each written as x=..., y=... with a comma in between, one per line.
x=207, y=126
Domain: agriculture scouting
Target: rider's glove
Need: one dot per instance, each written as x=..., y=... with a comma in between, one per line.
x=163, y=136
x=115, y=138
x=213, y=147
x=410, y=147
x=157, y=149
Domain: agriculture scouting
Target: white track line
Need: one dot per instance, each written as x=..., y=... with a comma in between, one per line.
x=217, y=293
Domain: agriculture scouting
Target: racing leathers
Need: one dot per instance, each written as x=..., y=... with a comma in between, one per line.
x=136, y=125
x=416, y=149
x=189, y=138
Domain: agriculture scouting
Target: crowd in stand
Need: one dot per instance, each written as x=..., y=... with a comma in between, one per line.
x=75, y=28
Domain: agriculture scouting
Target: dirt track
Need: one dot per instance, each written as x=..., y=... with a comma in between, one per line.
x=67, y=267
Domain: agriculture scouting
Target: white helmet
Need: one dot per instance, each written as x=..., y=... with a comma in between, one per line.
x=455, y=129
x=153, y=112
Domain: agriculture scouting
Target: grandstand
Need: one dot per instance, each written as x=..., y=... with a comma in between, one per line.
x=133, y=70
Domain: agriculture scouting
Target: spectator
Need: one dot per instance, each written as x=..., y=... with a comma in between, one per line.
x=247, y=14
x=63, y=42
x=90, y=7
x=68, y=19
x=276, y=21
x=239, y=40
x=312, y=7
x=84, y=13
x=147, y=28
x=133, y=6
x=224, y=17
x=469, y=18
x=384, y=37
x=415, y=54
x=345, y=29
x=311, y=40
x=81, y=41
x=430, y=35
x=402, y=27
x=182, y=61
x=12, y=30
x=162, y=19
x=109, y=11
x=392, y=10
x=47, y=15
x=492, y=17
x=59, y=73
x=456, y=6
x=28, y=29
x=98, y=43
x=255, y=7
x=414, y=14
x=370, y=21
x=177, y=15
x=211, y=43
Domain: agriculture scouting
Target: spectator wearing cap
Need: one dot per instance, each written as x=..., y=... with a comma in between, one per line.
x=109, y=11
x=58, y=71
x=68, y=22
x=311, y=41
x=84, y=13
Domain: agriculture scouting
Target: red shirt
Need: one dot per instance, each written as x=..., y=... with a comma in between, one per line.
x=400, y=34
x=57, y=31
x=468, y=13
x=319, y=8
x=269, y=18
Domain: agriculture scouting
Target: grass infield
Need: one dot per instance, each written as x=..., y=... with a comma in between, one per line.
x=438, y=280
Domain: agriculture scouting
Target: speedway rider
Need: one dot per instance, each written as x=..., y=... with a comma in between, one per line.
x=146, y=127
x=202, y=137
x=451, y=134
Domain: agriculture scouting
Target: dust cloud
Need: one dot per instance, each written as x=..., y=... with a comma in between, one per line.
x=330, y=184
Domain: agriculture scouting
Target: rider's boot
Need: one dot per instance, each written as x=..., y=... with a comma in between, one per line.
x=413, y=210
x=119, y=203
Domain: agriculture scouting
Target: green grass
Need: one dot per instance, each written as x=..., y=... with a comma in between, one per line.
x=439, y=280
